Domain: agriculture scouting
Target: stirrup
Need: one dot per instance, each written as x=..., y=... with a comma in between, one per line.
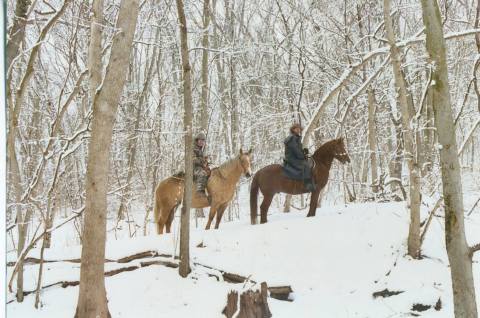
x=310, y=186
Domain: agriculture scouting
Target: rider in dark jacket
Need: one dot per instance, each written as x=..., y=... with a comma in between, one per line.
x=296, y=156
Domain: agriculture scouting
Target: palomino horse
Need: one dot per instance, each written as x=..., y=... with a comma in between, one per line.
x=221, y=187
x=271, y=179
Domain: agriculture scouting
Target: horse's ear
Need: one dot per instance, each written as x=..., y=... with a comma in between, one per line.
x=250, y=151
x=241, y=151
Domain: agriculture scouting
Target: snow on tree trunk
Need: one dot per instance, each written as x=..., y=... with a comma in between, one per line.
x=105, y=94
x=414, y=197
x=459, y=253
x=184, y=268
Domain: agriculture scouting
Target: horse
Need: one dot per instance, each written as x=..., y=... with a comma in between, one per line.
x=271, y=179
x=221, y=187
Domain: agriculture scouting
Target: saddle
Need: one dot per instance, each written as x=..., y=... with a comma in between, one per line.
x=296, y=172
x=303, y=173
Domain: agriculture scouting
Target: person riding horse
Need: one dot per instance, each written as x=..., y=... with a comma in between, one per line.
x=200, y=165
x=296, y=164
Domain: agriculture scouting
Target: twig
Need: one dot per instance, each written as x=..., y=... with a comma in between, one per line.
x=33, y=242
x=475, y=248
x=473, y=207
x=430, y=218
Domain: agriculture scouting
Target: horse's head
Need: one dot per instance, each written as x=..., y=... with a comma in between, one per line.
x=339, y=151
x=245, y=162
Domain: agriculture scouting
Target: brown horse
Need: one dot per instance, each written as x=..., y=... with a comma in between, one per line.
x=271, y=179
x=221, y=187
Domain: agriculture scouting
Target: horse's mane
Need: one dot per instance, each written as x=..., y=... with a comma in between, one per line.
x=180, y=175
x=326, y=148
x=227, y=164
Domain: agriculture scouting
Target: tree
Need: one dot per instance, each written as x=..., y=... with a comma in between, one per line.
x=459, y=253
x=105, y=96
x=414, y=197
x=184, y=268
x=372, y=134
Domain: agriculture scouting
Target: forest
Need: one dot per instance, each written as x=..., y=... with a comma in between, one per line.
x=148, y=147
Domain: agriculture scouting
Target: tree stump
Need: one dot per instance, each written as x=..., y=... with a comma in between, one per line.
x=253, y=304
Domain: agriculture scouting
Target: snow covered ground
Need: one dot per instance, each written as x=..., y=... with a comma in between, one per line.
x=334, y=263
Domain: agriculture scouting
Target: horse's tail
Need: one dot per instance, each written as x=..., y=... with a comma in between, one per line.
x=254, y=187
x=157, y=211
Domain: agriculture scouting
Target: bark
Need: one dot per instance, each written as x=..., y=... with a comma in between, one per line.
x=184, y=268
x=204, y=99
x=459, y=253
x=92, y=300
x=414, y=197
x=288, y=203
x=16, y=33
x=372, y=144
x=253, y=304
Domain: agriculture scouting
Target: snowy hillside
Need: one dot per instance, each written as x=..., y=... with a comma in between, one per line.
x=334, y=263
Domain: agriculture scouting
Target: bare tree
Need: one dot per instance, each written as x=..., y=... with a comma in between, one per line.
x=372, y=135
x=105, y=94
x=184, y=268
x=414, y=197
x=459, y=253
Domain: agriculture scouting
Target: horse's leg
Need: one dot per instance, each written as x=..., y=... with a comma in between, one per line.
x=220, y=211
x=267, y=200
x=211, y=215
x=313, y=203
x=160, y=224
x=170, y=219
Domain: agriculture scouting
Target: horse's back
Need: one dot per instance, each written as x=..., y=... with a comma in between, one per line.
x=269, y=173
x=171, y=187
x=272, y=179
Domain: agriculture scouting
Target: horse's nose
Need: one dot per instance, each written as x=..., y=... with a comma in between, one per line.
x=248, y=174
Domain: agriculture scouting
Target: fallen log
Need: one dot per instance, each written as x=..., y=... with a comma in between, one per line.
x=126, y=259
x=280, y=292
x=164, y=263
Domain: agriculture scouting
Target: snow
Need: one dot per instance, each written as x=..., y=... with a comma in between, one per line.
x=341, y=256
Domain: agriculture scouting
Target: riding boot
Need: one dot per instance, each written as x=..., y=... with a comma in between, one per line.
x=310, y=185
x=201, y=185
x=202, y=193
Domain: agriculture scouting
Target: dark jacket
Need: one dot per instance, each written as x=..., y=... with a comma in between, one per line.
x=198, y=157
x=294, y=155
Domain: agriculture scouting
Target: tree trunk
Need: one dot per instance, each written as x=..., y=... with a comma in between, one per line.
x=459, y=253
x=204, y=99
x=288, y=203
x=17, y=31
x=92, y=300
x=184, y=268
x=414, y=198
x=372, y=145
x=253, y=304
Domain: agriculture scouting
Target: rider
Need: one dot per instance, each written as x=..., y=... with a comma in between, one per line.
x=296, y=156
x=200, y=164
